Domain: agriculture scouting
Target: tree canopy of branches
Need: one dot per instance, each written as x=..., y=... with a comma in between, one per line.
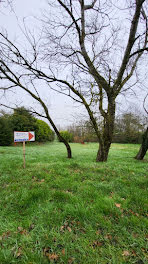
x=90, y=55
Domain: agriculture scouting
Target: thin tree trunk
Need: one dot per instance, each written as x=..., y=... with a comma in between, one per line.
x=69, y=152
x=144, y=146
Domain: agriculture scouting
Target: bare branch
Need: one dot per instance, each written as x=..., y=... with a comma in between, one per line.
x=138, y=51
x=146, y=110
x=130, y=42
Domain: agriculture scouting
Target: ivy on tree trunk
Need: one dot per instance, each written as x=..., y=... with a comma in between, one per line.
x=144, y=146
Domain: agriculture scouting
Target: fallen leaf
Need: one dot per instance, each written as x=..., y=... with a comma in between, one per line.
x=63, y=251
x=97, y=244
x=126, y=253
x=134, y=253
x=19, y=228
x=71, y=260
x=18, y=253
x=98, y=232
x=69, y=229
x=65, y=227
x=46, y=251
x=117, y=205
x=42, y=180
x=62, y=228
x=68, y=192
x=6, y=234
x=108, y=236
x=52, y=256
x=24, y=232
x=144, y=250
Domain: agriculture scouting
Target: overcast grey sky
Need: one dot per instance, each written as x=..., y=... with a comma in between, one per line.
x=62, y=109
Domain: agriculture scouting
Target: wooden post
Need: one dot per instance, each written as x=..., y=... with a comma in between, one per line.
x=24, y=153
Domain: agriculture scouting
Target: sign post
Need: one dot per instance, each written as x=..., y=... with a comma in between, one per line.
x=20, y=136
x=24, y=153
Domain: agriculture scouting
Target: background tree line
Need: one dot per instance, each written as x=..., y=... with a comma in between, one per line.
x=129, y=128
x=22, y=120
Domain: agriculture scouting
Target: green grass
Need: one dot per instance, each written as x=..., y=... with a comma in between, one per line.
x=73, y=211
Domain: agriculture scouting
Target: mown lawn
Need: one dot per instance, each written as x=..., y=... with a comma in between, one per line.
x=73, y=211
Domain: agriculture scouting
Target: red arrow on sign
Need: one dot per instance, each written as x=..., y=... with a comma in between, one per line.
x=30, y=136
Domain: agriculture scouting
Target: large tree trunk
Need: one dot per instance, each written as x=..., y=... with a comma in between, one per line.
x=107, y=135
x=103, y=151
x=144, y=146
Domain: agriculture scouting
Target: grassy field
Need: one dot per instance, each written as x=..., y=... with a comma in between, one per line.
x=73, y=211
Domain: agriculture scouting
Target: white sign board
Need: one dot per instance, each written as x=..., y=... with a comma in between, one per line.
x=24, y=136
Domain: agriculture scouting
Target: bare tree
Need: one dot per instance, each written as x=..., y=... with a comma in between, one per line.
x=87, y=57
x=15, y=73
x=85, y=37
x=144, y=146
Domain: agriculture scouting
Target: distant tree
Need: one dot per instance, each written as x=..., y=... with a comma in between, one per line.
x=83, y=131
x=43, y=132
x=6, y=132
x=23, y=120
x=128, y=128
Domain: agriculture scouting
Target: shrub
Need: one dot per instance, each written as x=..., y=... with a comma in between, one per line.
x=67, y=136
x=6, y=132
x=43, y=131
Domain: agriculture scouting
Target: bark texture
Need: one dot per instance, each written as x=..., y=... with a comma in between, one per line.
x=107, y=135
